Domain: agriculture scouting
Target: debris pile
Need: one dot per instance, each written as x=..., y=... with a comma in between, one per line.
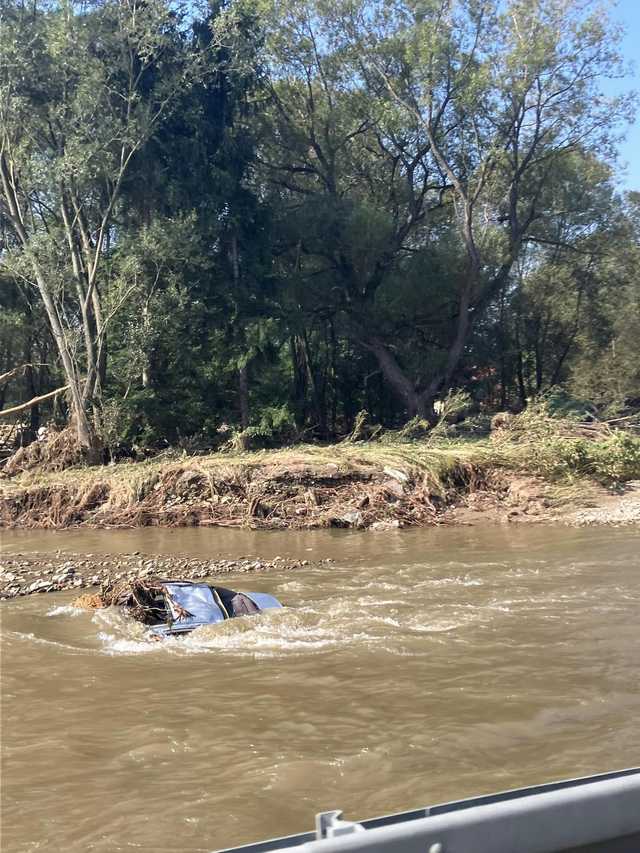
x=58, y=450
x=142, y=598
x=297, y=495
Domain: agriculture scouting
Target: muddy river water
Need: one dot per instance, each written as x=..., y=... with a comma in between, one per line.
x=418, y=667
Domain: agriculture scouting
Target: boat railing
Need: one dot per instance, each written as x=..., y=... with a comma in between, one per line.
x=593, y=814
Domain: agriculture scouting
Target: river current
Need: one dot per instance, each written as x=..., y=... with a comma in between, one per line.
x=417, y=667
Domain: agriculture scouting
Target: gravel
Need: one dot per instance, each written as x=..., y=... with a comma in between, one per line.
x=35, y=573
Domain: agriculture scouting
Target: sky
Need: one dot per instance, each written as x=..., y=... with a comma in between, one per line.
x=627, y=12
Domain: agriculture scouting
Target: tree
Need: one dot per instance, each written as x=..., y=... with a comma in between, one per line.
x=83, y=87
x=473, y=104
x=351, y=186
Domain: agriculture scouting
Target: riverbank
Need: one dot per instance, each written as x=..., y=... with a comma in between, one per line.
x=364, y=485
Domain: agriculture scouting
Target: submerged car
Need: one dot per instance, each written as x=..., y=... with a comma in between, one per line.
x=178, y=607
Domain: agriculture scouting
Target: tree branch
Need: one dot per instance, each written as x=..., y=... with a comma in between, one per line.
x=33, y=402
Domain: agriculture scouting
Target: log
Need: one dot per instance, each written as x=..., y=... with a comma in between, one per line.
x=33, y=402
x=10, y=374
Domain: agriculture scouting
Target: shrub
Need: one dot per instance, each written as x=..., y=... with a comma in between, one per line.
x=609, y=460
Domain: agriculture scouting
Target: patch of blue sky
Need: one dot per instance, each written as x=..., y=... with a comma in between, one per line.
x=627, y=13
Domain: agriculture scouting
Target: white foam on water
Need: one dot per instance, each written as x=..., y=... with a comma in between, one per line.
x=442, y=626
x=378, y=616
x=372, y=601
x=280, y=633
x=303, y=631
x=291, y=586
x=119, y=634
x=377, y=585
x=66, y=610
x=522, y=572
x=113, y=645
x=453, y=580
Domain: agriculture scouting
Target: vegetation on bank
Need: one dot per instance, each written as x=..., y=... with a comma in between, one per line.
x=254, y=220
x=389, y=480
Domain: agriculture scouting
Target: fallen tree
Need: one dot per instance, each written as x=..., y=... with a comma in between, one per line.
x=33, y=402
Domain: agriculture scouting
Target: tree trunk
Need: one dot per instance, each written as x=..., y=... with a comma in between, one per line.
x=243, y=389
x=146, y=375
x=87, y=437
x=22, y=407
x=146, y=356
x=334, y=378
x=522, y=389
x=317, y=395
x=503, y=360
x=397, y=379
x=539, y=367
x=34, y=414
x=299, y=386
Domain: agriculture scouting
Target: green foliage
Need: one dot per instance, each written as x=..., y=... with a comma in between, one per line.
x=559, y=404
x=415, y=428
x=276, y=428
x=547, y=416
x=550, y=439
x=615, y=459
x=277, y=217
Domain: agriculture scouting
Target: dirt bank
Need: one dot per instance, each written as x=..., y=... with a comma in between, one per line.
x=517, y=500
x=368, y=487
x=275, y=491
x=531, y=500
x=35, y=573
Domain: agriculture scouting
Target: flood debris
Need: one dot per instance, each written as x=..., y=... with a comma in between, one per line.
x=142, y=598
x=294, y=495
x=54, y=451
x=170, y=607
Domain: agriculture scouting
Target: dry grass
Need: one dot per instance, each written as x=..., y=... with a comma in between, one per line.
x=129, y=482
x=305, y=486
x=351, y=484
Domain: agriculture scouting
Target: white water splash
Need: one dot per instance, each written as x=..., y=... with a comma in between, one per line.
x=66, y=610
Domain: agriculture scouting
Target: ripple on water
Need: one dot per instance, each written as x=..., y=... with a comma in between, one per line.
x=386, y=686
x=29, y=637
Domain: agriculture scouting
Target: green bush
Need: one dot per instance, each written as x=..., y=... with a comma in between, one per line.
x=275, y=428
x=615, y=459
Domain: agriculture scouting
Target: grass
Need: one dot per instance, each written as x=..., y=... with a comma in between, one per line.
x=561, y=459
x=134, y=478
x=568, y=461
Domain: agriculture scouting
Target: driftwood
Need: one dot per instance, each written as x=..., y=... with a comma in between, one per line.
x=142, y=598
x=33, y=402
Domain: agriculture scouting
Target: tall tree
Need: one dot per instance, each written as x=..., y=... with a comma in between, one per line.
x=83, y=87
x=398, y=108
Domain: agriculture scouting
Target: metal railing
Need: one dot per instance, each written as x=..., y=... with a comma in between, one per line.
x=595, y=814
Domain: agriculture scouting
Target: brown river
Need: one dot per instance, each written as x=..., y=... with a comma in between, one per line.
x=418, y=667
